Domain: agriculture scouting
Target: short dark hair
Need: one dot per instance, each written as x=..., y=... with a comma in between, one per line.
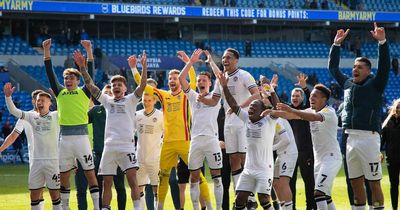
x=206, y=74
x=262, y=105
x=324, y=90
x=47, y=95
x=364, y=60
x=234, y=52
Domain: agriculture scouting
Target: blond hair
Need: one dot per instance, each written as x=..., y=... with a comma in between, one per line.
x=392, y=112
x=174, y=71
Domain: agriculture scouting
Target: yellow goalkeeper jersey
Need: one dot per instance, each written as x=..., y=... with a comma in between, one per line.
x=176, y=110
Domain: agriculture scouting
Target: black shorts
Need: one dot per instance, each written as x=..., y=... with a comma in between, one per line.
x=182, y=172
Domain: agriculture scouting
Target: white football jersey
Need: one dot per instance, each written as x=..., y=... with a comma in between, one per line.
x=260, y=137
x=46, y=132
x=204, y=118
x=149, y=131
x=120, y=120
x=324, y=134
x=284, y=138
x=239, y=84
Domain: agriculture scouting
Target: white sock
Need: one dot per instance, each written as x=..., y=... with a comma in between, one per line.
x=252, y=197
x=370, y=207
x=267, y=206
x=331, y=205
x=35, y=205
x=64, y=193
x=41, y=204
x=57, y=207
x=322, y=205
x=288, y=205
x=155, y=200
x=235, y=177
x=379, y=207
x=359, y=207
x=137, y=205
x=194, y=195
x=218, y=191
x=94, y=192
x=56, y=204
x=320, y=200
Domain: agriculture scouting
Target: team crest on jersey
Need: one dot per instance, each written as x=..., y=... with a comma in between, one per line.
x=155, y=119
x=198, y=105
x=178, y=97
x=259, y=124
x=235, y=78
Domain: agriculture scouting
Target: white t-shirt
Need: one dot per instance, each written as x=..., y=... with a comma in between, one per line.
x=260, y=137
x=324, y=134
x=204, y=118
x=120, y=119
x=149, y=131
x=46, y=132
x=21, y=126
x=284, y=138
x=239, y=84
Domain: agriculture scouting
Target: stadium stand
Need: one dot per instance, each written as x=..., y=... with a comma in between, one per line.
x=10, y=45
x=381, y=5
x=16, y=46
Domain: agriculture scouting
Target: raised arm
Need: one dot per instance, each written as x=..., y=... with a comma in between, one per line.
x=382, y=75
x=89, y=84
x=132, y=61
x=8, y=91
x=143, y=60
x=279, y=113
x=213, y=65
x=271, y=87
x=87, y=44
x=192, y=73
x=214, y=100
x=302, y=83
x=189, y=65
x=334, y=57
x=54, y=83
x=308, y=116
x=10, y=139
x=228, y=96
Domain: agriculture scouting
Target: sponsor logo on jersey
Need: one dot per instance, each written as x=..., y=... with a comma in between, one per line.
x=73, y=92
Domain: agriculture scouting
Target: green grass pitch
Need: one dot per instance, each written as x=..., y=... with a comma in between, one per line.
x=14, y=194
